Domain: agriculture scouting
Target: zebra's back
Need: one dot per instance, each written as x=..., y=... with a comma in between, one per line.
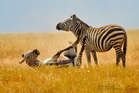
x=104, y=38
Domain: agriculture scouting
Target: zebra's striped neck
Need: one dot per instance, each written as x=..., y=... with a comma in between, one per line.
x=35, y=63
x=79, y=28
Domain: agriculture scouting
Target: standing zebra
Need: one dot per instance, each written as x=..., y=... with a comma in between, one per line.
x=100, y=39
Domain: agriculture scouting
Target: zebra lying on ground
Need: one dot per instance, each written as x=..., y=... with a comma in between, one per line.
x=100, y=39
x=30, y=58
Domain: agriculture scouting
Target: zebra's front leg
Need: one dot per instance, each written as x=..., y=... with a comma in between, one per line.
x=95, y=57
x=78, y=62
x=88, y=56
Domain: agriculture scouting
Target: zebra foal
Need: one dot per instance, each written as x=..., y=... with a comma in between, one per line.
x=30, y=57
x=100, y=39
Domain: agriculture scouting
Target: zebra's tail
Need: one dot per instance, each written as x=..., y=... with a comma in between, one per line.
x=125, y=44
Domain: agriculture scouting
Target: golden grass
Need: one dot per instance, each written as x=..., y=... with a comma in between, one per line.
x=107, y=78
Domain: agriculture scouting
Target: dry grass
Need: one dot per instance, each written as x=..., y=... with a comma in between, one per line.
x=106, y=78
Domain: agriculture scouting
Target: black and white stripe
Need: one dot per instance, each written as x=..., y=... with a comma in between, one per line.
x=100, y=39
x=30, y=58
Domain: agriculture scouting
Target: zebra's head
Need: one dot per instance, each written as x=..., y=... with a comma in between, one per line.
x=30, y=56
x=67, y=24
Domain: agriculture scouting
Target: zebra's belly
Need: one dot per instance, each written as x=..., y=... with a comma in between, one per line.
x=98, y=47
x=94, y=47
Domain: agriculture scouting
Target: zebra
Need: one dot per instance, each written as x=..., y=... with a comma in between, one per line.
x=99, y=39
x=30, y=57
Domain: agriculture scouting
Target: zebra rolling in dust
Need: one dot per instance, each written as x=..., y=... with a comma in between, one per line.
x=100, y=39
x=30, y=58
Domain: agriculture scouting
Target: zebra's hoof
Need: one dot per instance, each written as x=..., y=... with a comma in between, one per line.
x=77, y=63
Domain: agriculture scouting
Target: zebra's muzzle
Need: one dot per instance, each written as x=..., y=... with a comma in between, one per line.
x=22, y=60
x=57, y=27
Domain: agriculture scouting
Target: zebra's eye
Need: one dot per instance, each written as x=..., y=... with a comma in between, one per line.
x=28, y=56
x=22, y=55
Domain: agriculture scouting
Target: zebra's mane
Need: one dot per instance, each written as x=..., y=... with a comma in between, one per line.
x=85, y=24
x=82, y=26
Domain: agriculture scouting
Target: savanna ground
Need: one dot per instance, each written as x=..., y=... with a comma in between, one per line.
x=105, y=78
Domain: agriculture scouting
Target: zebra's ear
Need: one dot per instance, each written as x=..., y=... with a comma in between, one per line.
x=36, y=52
x=73, y=16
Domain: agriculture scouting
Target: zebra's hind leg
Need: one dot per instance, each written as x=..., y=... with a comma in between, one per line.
x=119, y=54
x=124, y=60
x=95, y=57
x=117, y=59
